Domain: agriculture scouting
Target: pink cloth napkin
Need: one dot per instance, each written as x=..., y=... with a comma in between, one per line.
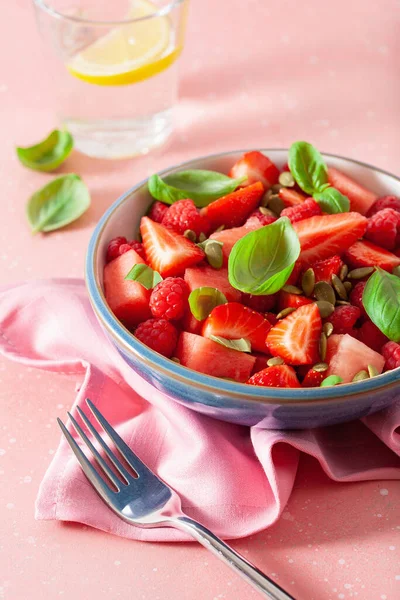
x=233, y=479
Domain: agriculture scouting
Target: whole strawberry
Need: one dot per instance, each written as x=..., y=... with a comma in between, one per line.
x=169, y=299
x=159, y=335
x=183, y=215
x=276, y=376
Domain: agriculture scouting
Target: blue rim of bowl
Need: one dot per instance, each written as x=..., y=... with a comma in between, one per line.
x=254, y=394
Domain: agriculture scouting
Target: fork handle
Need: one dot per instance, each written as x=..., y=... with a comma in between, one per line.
x=233, y=559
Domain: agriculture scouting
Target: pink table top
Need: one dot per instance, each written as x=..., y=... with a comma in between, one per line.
x=254, y=74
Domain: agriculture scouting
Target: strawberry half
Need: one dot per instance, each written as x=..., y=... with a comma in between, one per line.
x=296, y=337
x=365, y=254
x=168, y=252
x=281, y=376
x=256, y=167
x=232, y=210
x=324, y=269
x=288, y=300
x=234, y=321
x=291, y=197
x=322, y=236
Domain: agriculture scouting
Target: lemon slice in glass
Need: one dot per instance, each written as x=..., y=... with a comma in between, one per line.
x=128, y=53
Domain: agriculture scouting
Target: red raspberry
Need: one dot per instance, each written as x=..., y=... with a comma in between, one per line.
x=183, y=215
x=157, y=211
x=138, y=248
x=313, y=378
x=261, y=218
x=113, y=248
x=159, y=335
x=259, y=303
x=384, y=202
x=305, y=210
x=324, y=269
x=169, y=298
x=383, y=228
x=344, y=318
x=391, y=354
x=371, y=336
x=356, y=297
x=276, y=376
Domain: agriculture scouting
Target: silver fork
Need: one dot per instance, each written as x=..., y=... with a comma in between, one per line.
x=146, y=501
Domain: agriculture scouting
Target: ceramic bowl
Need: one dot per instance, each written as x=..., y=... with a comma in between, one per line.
x=270, y=408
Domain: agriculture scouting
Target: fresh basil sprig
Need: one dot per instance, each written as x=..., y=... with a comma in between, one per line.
x=241, y=345
x=381, y=299
x=308, y=167
x=145, y=276
x=332, y=201
x=48, y=154
x=200, y=186
x=203, y=300
x=58, y=203
x=261, y=262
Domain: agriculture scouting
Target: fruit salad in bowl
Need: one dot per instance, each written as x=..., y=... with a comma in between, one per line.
x=260, y=287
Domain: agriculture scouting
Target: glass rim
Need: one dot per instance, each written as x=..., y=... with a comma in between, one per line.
x=43, y=4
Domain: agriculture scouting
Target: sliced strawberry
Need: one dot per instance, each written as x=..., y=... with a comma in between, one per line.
x=322, y=236
x=313, y=378
x=288, y=300
x=365, y=254
x=324, y=269
x=168, y=252
x=291, y=197
x=296, y=337
x=232, y=210
x=281, y=376
x=360, y=198
x=256, y=167
x=234, y=321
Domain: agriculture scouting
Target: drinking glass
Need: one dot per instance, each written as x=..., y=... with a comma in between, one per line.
x=114, y=66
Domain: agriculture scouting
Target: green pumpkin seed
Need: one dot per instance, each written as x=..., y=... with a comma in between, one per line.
x=348, y=286
x=285, y=312
x=372, y=371
x=220, y=228
x=276, y=360
x=292, y=289
x=324, y=291
x=214, y=255
x=344, y=269
x=325, y=308
x=322, y=346
x=327, y=329
x=190, y=235
x=286, y=179
x=266, y=211
x=308, y=282
x=176, y=360
x=360, y=376
x=360, y=273
x=202, y=237
x=342, y=302
x=320, y=367
x=339, y=287
x=396, y=271
x=276, y=188
x=265, y=199
x=276, y=205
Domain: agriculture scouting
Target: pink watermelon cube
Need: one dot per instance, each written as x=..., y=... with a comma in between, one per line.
x=197, y=277
x=360, y=198
x=347, y=356
x=209, y=357
x=128, y=300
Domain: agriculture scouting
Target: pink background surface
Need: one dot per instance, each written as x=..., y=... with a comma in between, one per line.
x=254, y=74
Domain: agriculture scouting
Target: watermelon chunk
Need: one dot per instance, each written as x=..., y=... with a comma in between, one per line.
x=347, y=356
x=128, y=300
x=360, y=198
x=209, y=357
x=197, y=277
x=229, y=237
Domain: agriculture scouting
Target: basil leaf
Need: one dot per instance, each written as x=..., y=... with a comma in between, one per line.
x=202, y=301
x=48, y=154
x=381, y=299
x=308, y=167
x=144, y=275
x=332, y=201
x=261, y=262
x=241, y=345
x=331, y=380
x=200, y=186
x=58, y=203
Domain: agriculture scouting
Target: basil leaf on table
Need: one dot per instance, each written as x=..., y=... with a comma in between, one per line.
x=48, y=154
x=241, y=345
x=202, y=301
x=332, y=201
x=381, y=299
x=200, y=186
x=308, y=167
x=261, y=262
x=58, y=203
x=145, y=276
